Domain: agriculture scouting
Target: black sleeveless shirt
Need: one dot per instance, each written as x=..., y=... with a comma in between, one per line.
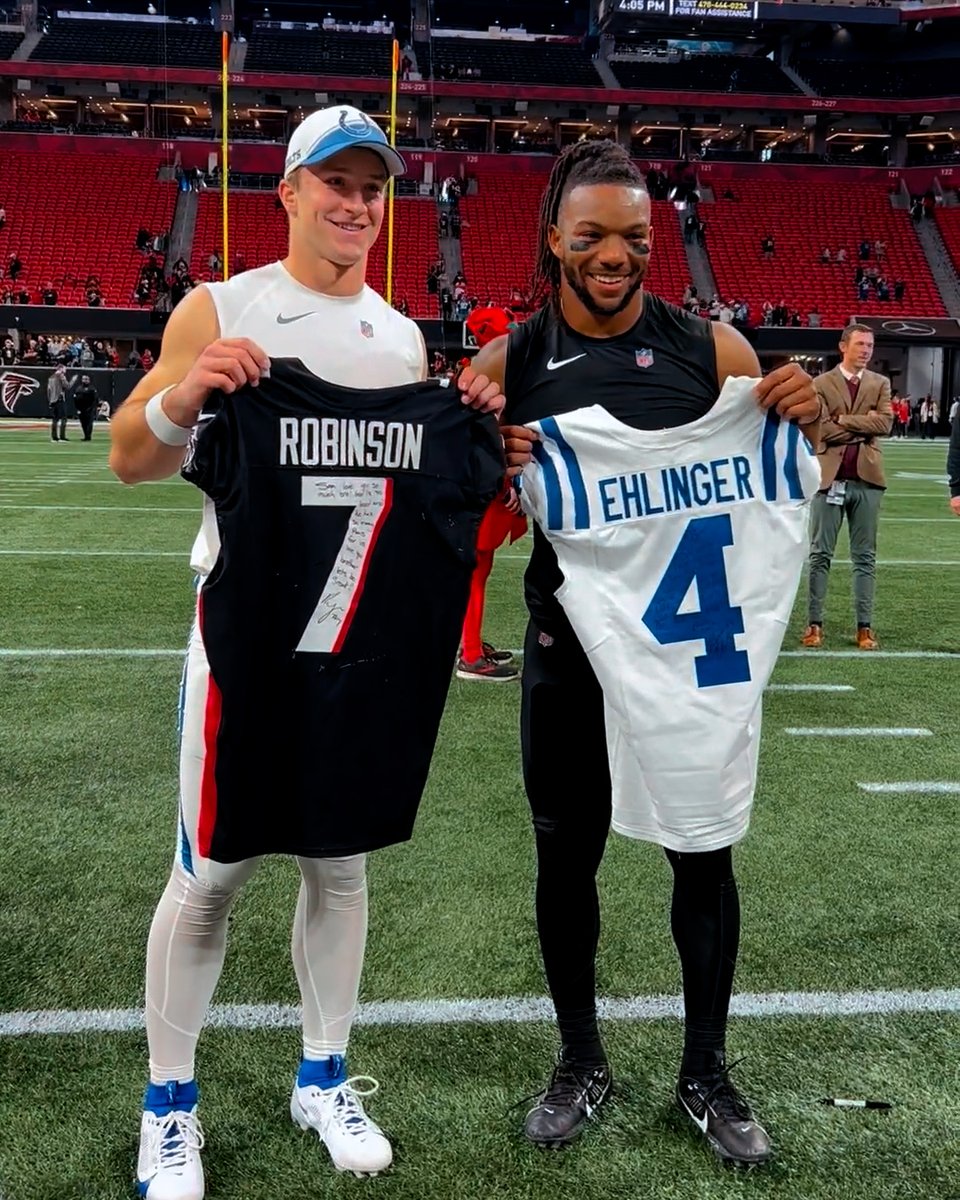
x=659, y=374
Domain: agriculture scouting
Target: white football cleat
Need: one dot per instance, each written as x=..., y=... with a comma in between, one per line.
x=169, y=1166
x=355, y=1142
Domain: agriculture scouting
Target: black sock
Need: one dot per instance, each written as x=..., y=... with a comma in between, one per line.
x=863, y=624
x=580, y=1038
x=705, y=920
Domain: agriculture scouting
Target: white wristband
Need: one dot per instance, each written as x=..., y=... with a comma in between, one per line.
x=160, y=425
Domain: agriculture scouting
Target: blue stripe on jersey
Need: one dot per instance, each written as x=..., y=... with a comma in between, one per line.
x=551, y=486
x=581, y=508
x=768, y=454
x=791, y=468
x=186, y=854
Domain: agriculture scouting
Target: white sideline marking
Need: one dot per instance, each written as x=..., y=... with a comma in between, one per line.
x=849, y=731
x=809, y=687
x=112, y=653
x=124, y=508
x=507, y=1010
x=911, y=789
x=864, y=655
x=918, y=520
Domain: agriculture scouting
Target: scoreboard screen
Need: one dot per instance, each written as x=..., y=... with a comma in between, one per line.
x=697, y=9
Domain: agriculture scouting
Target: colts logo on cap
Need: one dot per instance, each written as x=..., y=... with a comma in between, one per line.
x=644, y=358
x=355, y=125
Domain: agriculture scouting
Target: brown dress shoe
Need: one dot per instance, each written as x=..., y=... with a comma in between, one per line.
x=813, y=636
x=866, y=640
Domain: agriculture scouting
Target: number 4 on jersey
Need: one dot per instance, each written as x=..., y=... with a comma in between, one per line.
x=699, y=556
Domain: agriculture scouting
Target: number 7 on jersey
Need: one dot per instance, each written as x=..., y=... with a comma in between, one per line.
x=369, y=499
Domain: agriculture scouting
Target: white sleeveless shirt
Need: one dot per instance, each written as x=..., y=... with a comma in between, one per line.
x=352, y=341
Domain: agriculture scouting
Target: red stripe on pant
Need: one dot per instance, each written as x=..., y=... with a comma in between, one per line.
x=208, y=780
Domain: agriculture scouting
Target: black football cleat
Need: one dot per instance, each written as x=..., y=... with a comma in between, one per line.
x=724, y=1118
x=572, y=1097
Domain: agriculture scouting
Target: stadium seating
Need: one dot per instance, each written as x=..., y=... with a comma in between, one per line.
x=258, y=231
x=931, y=77
x=315, y=52
x=706, y=72
x=146, y=43
x=500, y=248
x=803, y=218
x=71, y=215
x=949, y=221
x=8, y=43
x=505, y=61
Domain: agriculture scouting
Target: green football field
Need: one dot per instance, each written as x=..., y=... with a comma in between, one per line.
x=849, y=977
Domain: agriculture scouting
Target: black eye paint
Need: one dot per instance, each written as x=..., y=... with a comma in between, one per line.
x=577, y=247
x=640, y=248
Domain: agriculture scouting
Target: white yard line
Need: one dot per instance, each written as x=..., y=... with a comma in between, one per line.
x=42, y=652
x=850, y=731
x=865, y=655
x=809, y=687
x=511, y=1010
x=930, y=788
x=124, y=508
x=97, y=553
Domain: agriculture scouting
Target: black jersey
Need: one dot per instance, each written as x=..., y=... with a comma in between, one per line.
x=347, y=523
x=659, y=374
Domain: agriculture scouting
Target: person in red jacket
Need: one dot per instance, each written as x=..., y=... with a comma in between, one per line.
x=479, y=660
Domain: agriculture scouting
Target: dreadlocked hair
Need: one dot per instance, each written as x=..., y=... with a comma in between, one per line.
x=584, y=162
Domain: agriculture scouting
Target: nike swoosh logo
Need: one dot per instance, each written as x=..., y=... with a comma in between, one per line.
x=282, y=320
x=701, y=1121
x=555, y=366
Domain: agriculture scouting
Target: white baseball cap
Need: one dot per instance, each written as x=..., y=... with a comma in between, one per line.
x=341, y=127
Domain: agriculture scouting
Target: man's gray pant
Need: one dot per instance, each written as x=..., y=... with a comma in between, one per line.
x=861, y=506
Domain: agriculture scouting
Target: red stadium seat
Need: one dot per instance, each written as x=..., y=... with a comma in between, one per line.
x=72, y=215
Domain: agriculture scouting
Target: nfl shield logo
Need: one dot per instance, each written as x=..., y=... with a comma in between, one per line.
x=366, y=329
x=644, y=358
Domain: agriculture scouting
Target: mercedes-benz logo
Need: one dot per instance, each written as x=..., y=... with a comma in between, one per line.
x=908, y=328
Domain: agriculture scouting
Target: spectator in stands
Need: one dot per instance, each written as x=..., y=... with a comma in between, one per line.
x=134, y=362
x=916, y=209
x=85, y=358
x=147, y=359
x=768, y=247
x=813, y=318
x=690, y=227
x=23, y=296
x=864, y=250
x=872, y=274
x=31, y=354
x=6, y=297
x=455, y=224
x=8, y=353
x=858, y=276
x=741, y=314
x=49, y=294
x=795, y=320
x=215, y=263
x=432, y=276
x=714, y=310
x=689, y=293
x=14, y=267
x=883, y=291
x=43, y=351
x=726, y=313
x=841, y=257
x=94, y=296
x=143, y=240
x=879, y=250
x=781, y=314
x=701, y=232
x=3, y=217
x=406, y=66
x=766, y=311
x=402, y=307
x=899, y=287
x=863, y=289
x=446, y=304
x=825, y=256
x=141, y=293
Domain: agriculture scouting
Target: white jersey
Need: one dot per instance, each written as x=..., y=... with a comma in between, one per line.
x=353, y=341
x=681, y=552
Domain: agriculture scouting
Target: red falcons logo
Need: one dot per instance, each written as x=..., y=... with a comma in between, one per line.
x=14, y=386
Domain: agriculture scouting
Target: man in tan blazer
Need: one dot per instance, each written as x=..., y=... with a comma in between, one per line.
x=855, y=411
